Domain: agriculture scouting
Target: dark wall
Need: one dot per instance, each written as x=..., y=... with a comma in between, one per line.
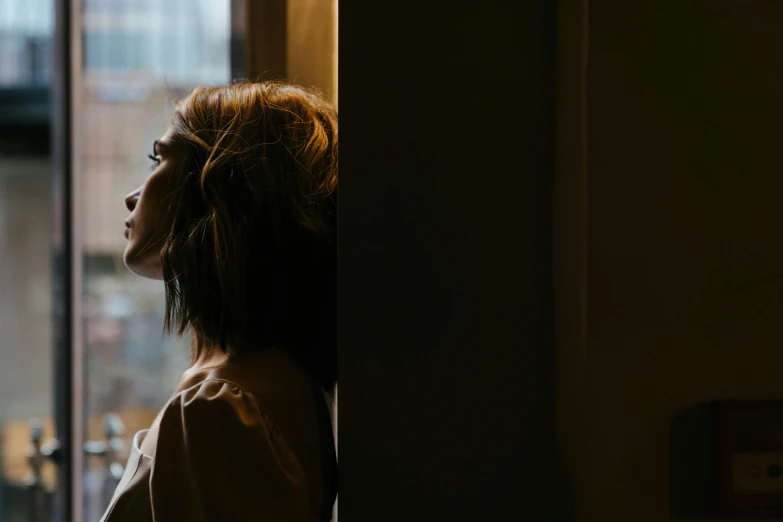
x=446, y=362
x=683, y=272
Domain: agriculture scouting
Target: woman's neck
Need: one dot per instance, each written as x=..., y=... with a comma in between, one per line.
x=205, y=355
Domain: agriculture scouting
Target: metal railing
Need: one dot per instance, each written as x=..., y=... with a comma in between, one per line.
x=110, y=450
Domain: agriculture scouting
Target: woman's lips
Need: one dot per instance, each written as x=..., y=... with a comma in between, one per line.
x=127, y=232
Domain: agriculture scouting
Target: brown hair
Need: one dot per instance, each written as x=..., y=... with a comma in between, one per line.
x=250, y=260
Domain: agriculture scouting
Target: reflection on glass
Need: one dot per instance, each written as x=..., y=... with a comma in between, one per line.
x=138, y=57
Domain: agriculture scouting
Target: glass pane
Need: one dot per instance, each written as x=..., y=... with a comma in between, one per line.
x=138, y=57
x=26, y=285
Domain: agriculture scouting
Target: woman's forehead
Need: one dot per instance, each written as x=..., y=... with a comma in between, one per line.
x=168, y=144
x=167, y=139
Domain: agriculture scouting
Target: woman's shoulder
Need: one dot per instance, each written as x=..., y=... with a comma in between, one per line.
x=212, y=409
x=213, y=437
x=216, y=396
x=243, y=416
x=269, y=384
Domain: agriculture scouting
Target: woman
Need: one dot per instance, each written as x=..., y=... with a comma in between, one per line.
x=237, y=218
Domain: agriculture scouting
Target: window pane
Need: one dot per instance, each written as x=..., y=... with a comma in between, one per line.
x=26, y=214
x=138, y=57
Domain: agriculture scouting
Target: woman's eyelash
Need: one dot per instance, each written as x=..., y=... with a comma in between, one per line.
x=154, y=159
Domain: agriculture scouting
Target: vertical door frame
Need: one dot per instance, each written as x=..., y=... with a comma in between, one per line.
x=266, y=49
x=238, y=45
x=68, y=351
x=570, y=228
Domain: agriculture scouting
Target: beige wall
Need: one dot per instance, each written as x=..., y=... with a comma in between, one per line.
x=311, y=46
x=296, y=39
x=661, y=236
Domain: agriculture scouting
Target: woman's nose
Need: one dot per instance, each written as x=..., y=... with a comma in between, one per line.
x=132, y=198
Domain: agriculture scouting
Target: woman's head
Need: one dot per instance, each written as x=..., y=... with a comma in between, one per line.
x=238, y=219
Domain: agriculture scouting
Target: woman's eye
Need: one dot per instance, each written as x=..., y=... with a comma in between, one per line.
x=154, y=159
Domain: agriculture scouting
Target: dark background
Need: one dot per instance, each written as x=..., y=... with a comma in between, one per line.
x=447, y=403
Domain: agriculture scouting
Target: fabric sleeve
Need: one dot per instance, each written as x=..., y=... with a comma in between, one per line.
x=218, y=457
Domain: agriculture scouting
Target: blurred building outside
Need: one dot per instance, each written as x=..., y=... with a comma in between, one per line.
x=139, y=56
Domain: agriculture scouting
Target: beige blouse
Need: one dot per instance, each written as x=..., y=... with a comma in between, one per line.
x=245, y=441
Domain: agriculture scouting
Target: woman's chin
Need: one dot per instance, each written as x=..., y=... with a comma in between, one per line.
x=145, y=266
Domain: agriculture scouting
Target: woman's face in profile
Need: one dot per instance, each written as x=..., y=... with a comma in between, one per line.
x=150, y=219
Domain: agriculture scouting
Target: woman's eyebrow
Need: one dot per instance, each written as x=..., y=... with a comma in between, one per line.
x=158, y=147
